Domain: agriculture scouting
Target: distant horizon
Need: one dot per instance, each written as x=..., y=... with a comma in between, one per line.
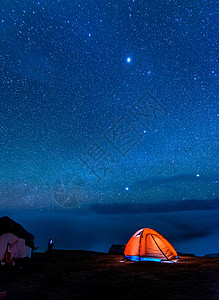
x=86, y=231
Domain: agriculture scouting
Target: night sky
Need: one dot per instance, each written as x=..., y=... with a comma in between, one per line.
x=108, y=121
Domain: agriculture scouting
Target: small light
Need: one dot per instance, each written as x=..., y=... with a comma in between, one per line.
x=127, y=188
x=197, y=175
x=128, y=60
x=89, y=34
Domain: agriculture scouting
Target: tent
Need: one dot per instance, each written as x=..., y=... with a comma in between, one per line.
x=149, y=245
x=15, y=241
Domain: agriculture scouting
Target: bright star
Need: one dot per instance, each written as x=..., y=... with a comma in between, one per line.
x=127, y=188
x=128, y=59
x=197, y=175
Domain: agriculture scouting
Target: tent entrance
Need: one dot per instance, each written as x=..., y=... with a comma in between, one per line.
x=150, y=244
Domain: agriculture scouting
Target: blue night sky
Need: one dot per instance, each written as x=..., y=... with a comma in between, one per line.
x=108, y=121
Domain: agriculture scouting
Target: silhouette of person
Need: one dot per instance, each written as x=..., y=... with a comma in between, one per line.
x=50, y=247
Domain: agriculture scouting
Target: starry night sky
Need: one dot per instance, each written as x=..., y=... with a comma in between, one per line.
x=108, y=121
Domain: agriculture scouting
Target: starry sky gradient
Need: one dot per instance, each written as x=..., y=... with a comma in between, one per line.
x=73, y=141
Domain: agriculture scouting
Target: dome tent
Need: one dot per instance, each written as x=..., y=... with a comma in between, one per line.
x=14, y=239
x=149, y=245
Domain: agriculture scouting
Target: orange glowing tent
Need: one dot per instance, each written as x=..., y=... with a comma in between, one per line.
x=149, y=245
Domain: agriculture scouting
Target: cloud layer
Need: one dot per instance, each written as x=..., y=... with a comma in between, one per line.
x=189, y=231
x=169, y=206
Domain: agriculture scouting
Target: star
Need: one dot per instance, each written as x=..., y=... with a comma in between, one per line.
x=127, y=188
x=128, y=59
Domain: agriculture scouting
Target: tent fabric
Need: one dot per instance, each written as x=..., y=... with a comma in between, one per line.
x=15, y=241
x=13, y=247
x=148, y=243
x=7, y=225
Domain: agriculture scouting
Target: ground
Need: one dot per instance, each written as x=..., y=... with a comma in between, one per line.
x=91, y=275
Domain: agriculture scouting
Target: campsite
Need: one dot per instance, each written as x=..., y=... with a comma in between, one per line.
x=93, y=275
x=109, y=143
x=147, y=265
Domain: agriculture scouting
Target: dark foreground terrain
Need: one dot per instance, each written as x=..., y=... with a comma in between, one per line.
x=90, y=275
